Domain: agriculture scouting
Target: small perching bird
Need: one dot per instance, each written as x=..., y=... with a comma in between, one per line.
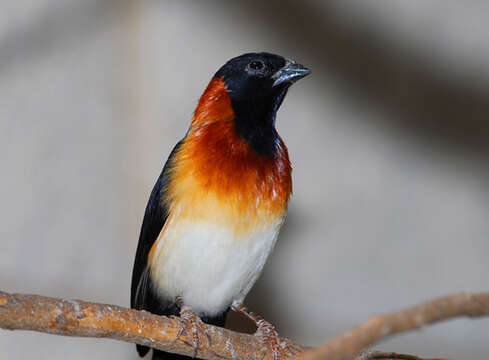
x=215, y=211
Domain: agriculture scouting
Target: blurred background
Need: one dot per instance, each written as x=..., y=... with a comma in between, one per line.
x=389, y=139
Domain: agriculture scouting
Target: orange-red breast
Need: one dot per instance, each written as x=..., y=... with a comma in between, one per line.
x=215, y=212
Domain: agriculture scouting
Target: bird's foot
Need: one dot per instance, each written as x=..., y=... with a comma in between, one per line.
x=267, y=334
x=191, y=325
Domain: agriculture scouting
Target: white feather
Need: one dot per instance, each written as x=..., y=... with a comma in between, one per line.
x=209, y=265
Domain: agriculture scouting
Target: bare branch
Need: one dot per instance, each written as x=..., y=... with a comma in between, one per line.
x=345, y=347
x=85, y=319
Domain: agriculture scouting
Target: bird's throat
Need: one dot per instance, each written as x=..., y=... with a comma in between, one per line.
x=253, y=119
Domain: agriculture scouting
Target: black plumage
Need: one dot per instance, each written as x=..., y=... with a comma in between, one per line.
x=255, y=114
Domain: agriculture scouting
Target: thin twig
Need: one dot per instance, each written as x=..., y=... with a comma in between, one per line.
x=345, y=347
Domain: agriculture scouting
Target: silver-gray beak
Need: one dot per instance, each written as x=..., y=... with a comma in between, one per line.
x=290, y=73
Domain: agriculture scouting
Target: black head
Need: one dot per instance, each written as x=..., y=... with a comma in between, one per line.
x=257, y=84
x=259, y=75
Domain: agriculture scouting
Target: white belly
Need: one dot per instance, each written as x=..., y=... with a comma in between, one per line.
x=209, y=265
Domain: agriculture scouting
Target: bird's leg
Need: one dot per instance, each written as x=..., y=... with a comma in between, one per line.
x=191, y=324
x=265, y=331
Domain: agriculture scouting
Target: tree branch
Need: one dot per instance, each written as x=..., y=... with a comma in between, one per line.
x=379, y=327
x=85, y=319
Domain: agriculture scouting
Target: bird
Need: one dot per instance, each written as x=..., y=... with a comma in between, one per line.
x=216, y=209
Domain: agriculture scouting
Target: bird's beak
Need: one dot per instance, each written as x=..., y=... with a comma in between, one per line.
x=290, y=73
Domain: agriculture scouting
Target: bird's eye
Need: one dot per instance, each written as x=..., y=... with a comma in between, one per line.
x=256, y=66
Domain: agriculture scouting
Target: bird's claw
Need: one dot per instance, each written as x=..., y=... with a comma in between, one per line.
x=191, y=325
x=269, y=336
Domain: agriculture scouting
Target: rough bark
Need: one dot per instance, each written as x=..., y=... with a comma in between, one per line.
x=85, y=319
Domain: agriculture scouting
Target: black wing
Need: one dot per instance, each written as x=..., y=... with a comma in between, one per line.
x=143, y=295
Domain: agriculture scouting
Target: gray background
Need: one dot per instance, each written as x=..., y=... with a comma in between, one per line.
x=389, y=140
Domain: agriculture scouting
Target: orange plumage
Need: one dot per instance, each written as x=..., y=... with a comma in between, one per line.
x=222, y=171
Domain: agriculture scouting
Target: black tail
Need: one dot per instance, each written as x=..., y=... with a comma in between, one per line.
x=162, y=355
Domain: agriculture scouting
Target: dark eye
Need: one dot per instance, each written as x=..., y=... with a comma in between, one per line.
x=256, y=66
